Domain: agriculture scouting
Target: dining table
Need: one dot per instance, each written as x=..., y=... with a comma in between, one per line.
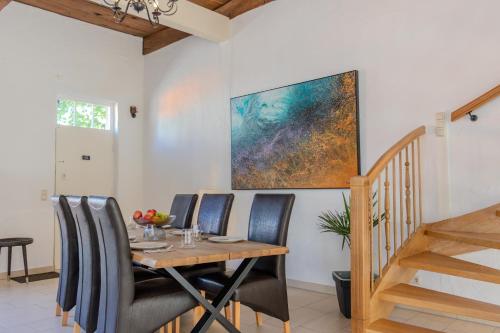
x=206, y=251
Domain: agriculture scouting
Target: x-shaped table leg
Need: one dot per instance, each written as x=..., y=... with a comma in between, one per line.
x=213, y=309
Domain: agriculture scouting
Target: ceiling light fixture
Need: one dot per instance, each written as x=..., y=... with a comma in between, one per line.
x=139, y=6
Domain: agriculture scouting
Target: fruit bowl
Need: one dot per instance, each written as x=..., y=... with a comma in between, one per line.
x=157, y=223
x=153, y=218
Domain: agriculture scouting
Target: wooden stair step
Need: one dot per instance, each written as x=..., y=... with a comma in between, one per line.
x=438, y=263
x=438, y=301
x=389, y=326
x=473, y=238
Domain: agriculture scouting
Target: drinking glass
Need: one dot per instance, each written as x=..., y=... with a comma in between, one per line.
x=187, y=239
x=197, y=233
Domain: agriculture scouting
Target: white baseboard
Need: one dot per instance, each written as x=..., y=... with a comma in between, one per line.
x=319, y=288
x=38, y=270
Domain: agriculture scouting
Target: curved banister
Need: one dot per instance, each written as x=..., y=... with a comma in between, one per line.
x=382, y=162
x=386, y=213
x=473, y=105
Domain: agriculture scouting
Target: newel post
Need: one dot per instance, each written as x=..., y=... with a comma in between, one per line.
x=361, y=248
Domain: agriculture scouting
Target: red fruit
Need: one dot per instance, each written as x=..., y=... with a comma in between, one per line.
x=151, y=212
x=137, y=214
x=148, y=217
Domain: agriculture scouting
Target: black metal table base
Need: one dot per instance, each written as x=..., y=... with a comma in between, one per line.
x=213, y=309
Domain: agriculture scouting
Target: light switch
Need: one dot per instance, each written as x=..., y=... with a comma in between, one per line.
x=44, y=195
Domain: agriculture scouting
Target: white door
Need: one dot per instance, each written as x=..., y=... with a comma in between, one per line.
x=84, y=166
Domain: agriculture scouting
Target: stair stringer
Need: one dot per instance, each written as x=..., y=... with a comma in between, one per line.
x=395, y=274
x=482, y=221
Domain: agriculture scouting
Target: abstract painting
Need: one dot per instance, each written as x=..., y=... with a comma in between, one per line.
x=302, y=136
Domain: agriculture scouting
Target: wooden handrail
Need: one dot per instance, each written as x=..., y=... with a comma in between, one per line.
x=471, y=106
x=392, y=152
x=386, y=212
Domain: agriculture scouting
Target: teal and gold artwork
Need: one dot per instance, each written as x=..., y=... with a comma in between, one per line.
x=304, y=135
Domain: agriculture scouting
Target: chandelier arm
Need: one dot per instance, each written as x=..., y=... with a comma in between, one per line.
x=149, y=17
x=171, y=7
x=124, y=13
x=109, y=3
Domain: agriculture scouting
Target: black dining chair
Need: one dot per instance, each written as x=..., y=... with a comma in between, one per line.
x=264, y=290
x=68, y=276
x=89, y=280
x=183, y=208
x=127, y=306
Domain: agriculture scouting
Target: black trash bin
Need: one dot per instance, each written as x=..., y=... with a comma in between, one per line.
x=343, y=285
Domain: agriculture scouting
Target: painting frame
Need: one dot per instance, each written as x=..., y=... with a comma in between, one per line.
x=357, y=136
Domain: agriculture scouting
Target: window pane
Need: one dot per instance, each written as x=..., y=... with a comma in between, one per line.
x=83, y=117
x=65, y=111
x=101, y=116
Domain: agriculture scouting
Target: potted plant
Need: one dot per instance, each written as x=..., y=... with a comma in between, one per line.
x=339, y=222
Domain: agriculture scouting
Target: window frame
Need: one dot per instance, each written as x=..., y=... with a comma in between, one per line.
x=93, y=101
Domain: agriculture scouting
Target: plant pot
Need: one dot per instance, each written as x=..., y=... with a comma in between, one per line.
x=343, y=285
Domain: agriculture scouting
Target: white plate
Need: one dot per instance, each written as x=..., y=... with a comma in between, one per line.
x=225, y=239
x=148, y=245
x=177, y=232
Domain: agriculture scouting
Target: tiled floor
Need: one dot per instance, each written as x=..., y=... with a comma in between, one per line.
x=31, y=309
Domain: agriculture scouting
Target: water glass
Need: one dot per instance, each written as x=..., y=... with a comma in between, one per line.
x=187, y=239
x=197, y=233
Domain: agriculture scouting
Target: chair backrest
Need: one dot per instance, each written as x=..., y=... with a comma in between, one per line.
x=117, y=278
x=183, y=208
x=213, y=216
x=269, y=220
x=68, y=280
x=89, y=282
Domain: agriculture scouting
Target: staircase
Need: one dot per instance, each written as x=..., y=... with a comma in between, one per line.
x=390, y=244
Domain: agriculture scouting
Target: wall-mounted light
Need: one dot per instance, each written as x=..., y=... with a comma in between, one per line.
x=133, y=111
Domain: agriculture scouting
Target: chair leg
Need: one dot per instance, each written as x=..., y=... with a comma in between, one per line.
x=258, y=318
x=76, y=328
x=25, y=259
x=65, y=316
x=9, y=261
x=178, y=325
x=236, y=314
x=198, y=311
x=286, y=327
x=227, y=312
x=58, y=310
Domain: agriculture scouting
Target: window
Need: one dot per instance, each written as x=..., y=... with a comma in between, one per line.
x=83, y=114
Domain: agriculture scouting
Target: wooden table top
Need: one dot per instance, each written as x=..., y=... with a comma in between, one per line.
x=205, y=252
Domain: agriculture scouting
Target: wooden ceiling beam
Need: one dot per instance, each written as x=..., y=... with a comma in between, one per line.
x=3, y=4
x=93, y=13
x=165, y=37
x=237, y=7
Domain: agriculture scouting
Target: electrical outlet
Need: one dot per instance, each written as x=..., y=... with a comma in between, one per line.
x=44, y=195
x=416, y=280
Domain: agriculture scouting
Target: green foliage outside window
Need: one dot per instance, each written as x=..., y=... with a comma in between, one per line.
x=82, y=114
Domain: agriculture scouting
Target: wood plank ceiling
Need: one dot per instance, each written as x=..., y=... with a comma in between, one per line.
x=154, y=38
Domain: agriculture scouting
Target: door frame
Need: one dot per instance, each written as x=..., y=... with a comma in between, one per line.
x=114, y=128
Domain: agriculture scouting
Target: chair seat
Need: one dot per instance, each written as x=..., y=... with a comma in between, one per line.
x=190, y=272
x=143, y=274
x=254, y=284
x=156, y=302
x=7, y=242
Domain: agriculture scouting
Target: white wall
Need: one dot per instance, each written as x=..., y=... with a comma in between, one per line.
x=415, y=59
x=43, y=55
